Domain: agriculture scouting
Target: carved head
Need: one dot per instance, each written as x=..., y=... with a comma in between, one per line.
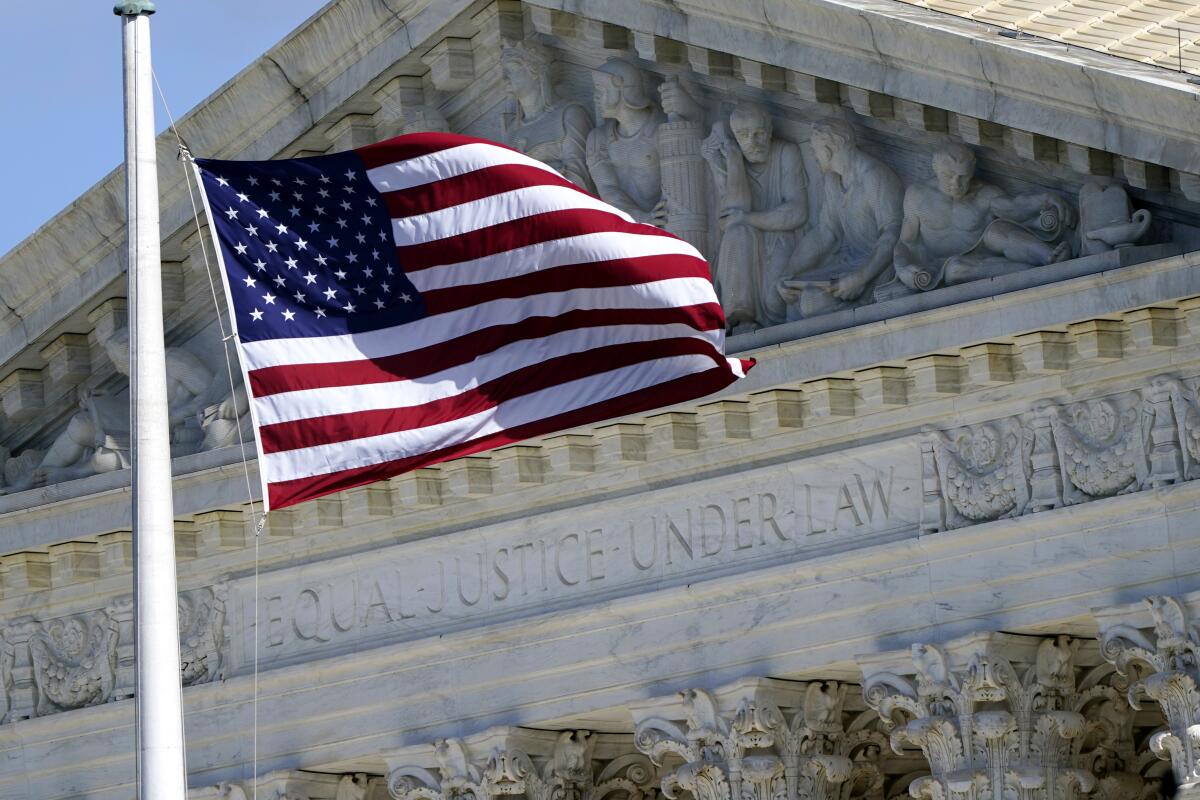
x=619, y=84
x=751, y=126
x=526, y=69
x=832, y=141
x=117, y=348
x=954, y=168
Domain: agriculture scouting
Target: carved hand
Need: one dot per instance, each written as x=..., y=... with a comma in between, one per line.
x=849, y=286
x=732, y=216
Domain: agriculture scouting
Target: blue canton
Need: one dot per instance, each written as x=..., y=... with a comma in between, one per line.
x=307, y=246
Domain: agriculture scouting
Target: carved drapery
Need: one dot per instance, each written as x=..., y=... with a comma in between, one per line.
x=1061, y=454
x=1162, y=662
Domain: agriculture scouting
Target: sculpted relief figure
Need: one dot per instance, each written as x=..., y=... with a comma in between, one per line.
x=551, y=131
x=848, y=247
x=961, y=229
x=761, y=185
x=96, y=439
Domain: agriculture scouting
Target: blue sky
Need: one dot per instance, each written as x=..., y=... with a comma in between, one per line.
x=60, y=100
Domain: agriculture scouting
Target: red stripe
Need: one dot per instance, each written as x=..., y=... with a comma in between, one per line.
x=334, y=428
x=590, y=275
x=505, y=236
x=434, y=358
x=679, y=390
x=470, y=186
x=412, y=145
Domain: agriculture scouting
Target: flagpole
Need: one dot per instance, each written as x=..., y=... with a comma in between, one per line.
x=159, y=706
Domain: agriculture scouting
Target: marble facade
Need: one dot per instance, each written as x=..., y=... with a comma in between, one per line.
x=942, y=542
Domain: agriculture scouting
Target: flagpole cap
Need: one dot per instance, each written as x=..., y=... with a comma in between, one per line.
x=133, y=8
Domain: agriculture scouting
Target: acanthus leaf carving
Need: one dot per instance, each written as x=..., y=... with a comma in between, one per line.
x=74, y=662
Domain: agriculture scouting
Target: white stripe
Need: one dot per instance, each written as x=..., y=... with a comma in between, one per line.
x=493, y=210
x=672, y=292
x=583, y=249
x=322, y=459
x=445, y=164
x=306, y=403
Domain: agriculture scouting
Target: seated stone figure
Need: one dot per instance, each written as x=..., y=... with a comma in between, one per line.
x=761, y=185
x=201, y=416
x=848, y=247
x=552, y=131
x=622, y=151
x=961, y=229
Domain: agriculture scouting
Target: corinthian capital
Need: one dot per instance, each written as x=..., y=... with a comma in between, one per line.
x=761, y=740
x=1158, y=647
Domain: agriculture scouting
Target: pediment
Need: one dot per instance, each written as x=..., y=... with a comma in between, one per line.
x=1082, y=163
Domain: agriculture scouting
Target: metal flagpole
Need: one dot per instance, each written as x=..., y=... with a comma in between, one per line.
x=159, y=705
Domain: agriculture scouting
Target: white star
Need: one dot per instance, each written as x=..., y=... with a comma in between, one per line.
x=322, y=260
x=360, y=238
x=262, y=213
x=231, y=213
x=297, y=195
x=365, y=219
x=405, y=298
x=390, y=272
x=279, y=281
x=249, y=281
x=329, y=294
x=352, y=258
x=375, y=254
x=281, y=228
x=288, y=315
x=276, y=181
x=301, y=244
x=294, y=211
x=272, y=246
x=382, y=236
x=323, y=192
x=313, y=227
x=350, y=175
x=349, y=308
x=252, y=230
x=222, y=181
x=241, y=249
x=349, y=189
x=299, y=297
x=370, y=201
x=253, y=181
x=310, y=278
x=321, y=313
x=260, y=264
x=341, y=274
x=387, y=287
x=299, y=181
x=243, y=198
x=269, y=299
x=291, y=262
x=345, y=204
x=274, y=195
x=341, y=223
x=320, y=210
x=368, y=272
x=256, y=315
x=359, y=290
x=378, y=303
x=331, y=242
x=324, y=179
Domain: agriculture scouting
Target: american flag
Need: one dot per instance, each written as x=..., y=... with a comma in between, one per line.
x=436, y=295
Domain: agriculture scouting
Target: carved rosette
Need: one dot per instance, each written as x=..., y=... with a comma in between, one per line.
x=569, y=773
x=763, y=752
x=74, y=662
x=981, y=471
x=1101, y=446
x=1163, y=663
x=990, y=730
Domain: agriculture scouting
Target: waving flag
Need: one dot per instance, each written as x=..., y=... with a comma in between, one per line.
x=436, y=295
